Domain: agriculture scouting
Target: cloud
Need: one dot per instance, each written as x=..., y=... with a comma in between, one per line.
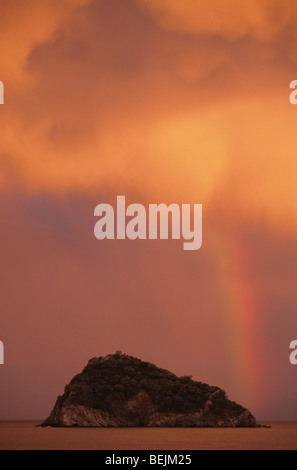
x=23, y=25
x=113, y=100
x=262, y=19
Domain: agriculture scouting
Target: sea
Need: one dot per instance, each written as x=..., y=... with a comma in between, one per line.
x=17, y=435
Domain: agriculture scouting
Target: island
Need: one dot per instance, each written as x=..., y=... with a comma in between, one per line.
x=122, y=391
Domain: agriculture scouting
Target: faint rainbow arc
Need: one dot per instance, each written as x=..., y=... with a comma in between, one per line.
x=241, y=303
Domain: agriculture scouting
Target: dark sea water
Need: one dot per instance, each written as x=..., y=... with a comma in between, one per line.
x=25, y=435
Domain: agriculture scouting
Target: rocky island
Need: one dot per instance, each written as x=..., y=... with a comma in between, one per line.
x=122, y=391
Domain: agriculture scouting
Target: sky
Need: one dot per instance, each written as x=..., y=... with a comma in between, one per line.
x=161, y=101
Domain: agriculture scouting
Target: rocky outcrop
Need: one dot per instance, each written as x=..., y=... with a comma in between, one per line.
x=122, y=391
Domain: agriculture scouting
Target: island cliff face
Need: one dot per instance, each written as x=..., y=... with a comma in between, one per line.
x=120, y=390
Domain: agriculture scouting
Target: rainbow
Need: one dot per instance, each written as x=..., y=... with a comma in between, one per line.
x=241, y=306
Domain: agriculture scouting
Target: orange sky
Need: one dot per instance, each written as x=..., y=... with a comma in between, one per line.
x=163, y=101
